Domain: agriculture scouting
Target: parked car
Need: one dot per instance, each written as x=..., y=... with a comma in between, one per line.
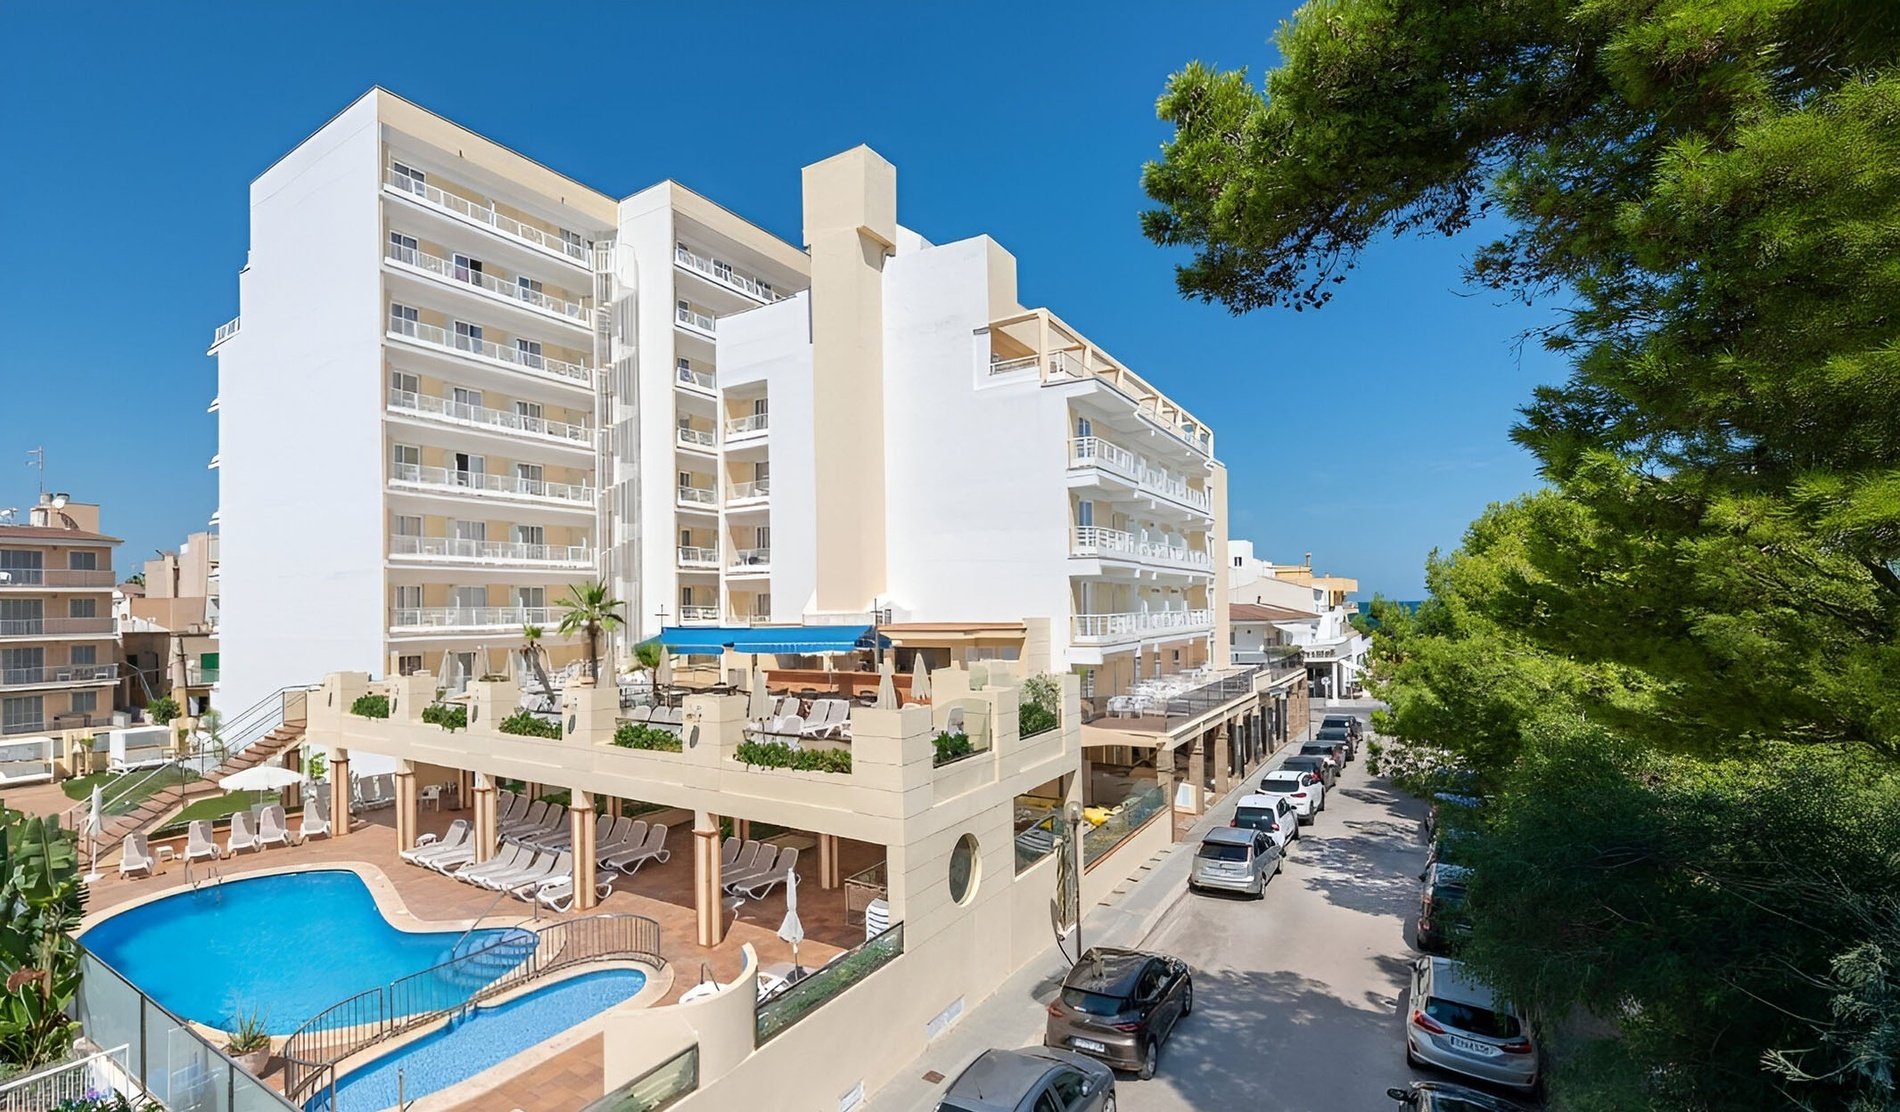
x=1236, y=859
x=1441, y=906
x=1460, y=1025
x=1351, y=723
x=1334, y=751
x=1443, y=1096
x=1306, y=791
x=1318, y=766
x=1451, y=806
x=1119, y=1006
x=1033, y=1080
x=1276, y=814
x=1339, y=734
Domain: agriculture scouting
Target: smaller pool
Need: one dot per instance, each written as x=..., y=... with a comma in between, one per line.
x=486, y=1037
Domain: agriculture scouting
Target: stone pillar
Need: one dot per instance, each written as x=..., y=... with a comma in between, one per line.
x=486, y=833
x=582, y=826
x=1223, y=760
x=830, y=870
x=1197, y=776
x=405, y=805
x=339, y=792
x=464, y=790
x=742, y=829
x=1164, y=775
x=709, y=908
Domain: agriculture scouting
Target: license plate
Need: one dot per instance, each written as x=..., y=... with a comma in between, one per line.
x=1089, y=1045
x=1483, y=1050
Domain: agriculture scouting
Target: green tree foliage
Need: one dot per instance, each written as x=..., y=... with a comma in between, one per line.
x=590, y=609
x=41, y=900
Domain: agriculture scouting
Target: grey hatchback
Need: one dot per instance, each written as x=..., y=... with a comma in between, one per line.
x=1040, y=1079
x=1236, y=859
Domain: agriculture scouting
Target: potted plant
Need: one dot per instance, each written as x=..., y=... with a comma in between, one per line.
x=250, y=1040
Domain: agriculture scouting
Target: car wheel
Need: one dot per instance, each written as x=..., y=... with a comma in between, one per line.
x=1187, y=999
x=1108, y=1103
x=1279, y=864
x=1150, y=1059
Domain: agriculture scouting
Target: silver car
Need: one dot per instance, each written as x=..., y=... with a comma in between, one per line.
x=1035, y=1080
x=1459, y=1025
x=1236, y=859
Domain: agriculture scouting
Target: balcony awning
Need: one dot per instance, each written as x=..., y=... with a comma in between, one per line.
x=812, y=640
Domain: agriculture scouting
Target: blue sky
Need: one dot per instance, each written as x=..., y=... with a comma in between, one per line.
x=1366, y=433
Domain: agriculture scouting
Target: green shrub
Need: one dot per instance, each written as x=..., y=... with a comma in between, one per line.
x=529, y=725
x=1041, y=706
x=951, y=747
x=449, y=716
x=633, y=735
x=370, y=706
x=162, y=709
x=777, y=754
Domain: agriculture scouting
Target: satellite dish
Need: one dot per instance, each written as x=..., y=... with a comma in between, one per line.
x=59, y=501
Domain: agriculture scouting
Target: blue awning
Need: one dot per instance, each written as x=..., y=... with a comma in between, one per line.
x=814, y=640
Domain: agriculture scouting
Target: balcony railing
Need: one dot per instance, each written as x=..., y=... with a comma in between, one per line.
x=696, y=320
x=491, y=552
x=54, y=627
x=428, y=405
x=698, y=496
x=58, y=673
x=1118, y=627
x=723, y=274
x=1011, y=366
x=743, y=492
x=508, y=485
x=751, y=559
x=1093, y=451
x=452, y=271
x=1092, y=541
x=473, y=617
x=749, y=425
x=225, y=331
x=695, y=615
x=485, y=215
x=693, y=556
x=698, y=438
x=57, y=578
x=698, y=380
x=1172, y=486
x=572, y=373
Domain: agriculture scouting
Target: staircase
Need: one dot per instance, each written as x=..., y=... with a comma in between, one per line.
x=166, y=800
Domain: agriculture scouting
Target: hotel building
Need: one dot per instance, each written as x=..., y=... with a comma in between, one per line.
x=58, y=651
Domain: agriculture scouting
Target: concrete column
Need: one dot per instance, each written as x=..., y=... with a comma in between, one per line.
x=709, y=909
x=486, y=833
x=1164, y=775
x=339, y=792
x=464, y=790
x=582, y=826
x=1197, y=776
x=405, y=806
x=1223, y=760
x=830, y=869
x=742, y=829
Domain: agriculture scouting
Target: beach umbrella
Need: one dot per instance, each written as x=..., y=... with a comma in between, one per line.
x=886, y=686
x=791, y=930
x=94, y=825
x=760, y=704
x=445, y=674
x=663, y=671
x=488, y=666
x=261, y=778
x=919, y=679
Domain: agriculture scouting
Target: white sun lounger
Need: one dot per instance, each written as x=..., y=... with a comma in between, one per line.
x=612, y=836
x=550, y=867
x=768, y=857
x=428, y=846
x=531, y=820
x=316, y=818
x=728, y=853
x=199, y=845
x=743, y=861
x=241, y=835
x=557, y=893
x=272, y=828
x=136, y=856
x=626, y=836
x=760, y=886
x=651, y=848
x=510, y=857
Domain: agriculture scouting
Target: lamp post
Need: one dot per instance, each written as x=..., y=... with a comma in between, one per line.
x=1073, y=813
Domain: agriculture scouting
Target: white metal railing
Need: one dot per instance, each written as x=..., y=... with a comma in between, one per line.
x=690, y=614
x=435, y=336
x=694, y=556
x=56, y=577
x=722, y=272
x=1110, y=627
x=1011, y=366
x=58, y=673
x=1090, y=540
x=493, y=552
x=693, y=318
x=1093, y=451
x=225, y=331
x=71, y=1084
x=758, y=488
x=698, y=438
x=486, y=215
x=698, y=496
x=450, y=270
x=751, y=558
x=33, y=726
x=445, y=479
x=701, y=380
x=428, y=405
x=473, y=617
x=1172, y=486
x=28, y=627
x=747, y=425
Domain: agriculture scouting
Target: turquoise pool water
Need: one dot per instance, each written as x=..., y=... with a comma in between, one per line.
x=287, y=946
x=485, y=1037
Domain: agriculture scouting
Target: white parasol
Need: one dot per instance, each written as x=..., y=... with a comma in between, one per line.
x=791, y=930
x=93, y=829
x=261, y=778
x=919, y=679
x=760, y=704
x=886, y=686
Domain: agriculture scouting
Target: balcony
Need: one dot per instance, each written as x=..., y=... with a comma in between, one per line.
x=1103, y=455
x=57, y=675
x=1102, y=628
x=510, y=358
x=199, y=676
x=490, y=552
x=1089, y=541
x=1173, y=487
x=755, y=491
x=481, y=417
x=743, y=428
x=480, y=214
x=723, y=274
x=446, y=270
x=699, y=498
x=225, y=331
x=750, y=561
x=699, y=440
x=699, y=615
x=58, y=579
x=702, y=381
x=506, y=486
x=696, y=321
x=473, y=619
x=56, y=627
x=693, y=556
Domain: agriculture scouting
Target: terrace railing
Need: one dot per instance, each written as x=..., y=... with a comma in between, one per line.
x=1123, y=823
x=69, y=1083
x=659, y=1087
x=793, y=1002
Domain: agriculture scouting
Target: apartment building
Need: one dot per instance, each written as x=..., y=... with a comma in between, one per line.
x=1272, y=606
x=168, y=626
x=938, y=452
x=459, y=382
x=58, y=654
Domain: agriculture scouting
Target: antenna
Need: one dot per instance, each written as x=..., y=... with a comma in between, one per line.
x=36, y=457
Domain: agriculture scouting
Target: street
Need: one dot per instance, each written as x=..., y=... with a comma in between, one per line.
x=1297, y=995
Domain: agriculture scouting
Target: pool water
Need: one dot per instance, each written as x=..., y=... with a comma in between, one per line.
x=287, y=946
x=485, y=1037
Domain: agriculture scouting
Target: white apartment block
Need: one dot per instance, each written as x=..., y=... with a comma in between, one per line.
x=1273, y=605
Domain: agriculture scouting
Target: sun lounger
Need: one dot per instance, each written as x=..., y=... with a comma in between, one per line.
x=825, y=714
x=640, y=714
x=760, y=886
x=316, y=817
x=273, y=829
x=557, y=893
x=446, y=860
x=728, y=853
x=136, y=856
x=500, y=879
x=768, y=857
x=510, y=857
x=611, y=835
x=550, y=867
x=743, y=861
x=652, y=847
x=429, y=845
x=532, y=817
x=953, y=722
x=241, y=835
x=199, y=845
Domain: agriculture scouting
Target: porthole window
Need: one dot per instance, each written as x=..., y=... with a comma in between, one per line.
x=964, y=867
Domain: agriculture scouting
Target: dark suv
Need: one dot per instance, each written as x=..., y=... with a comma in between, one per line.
x=1340, y=736
x=1120, y=1006
x=1348, y=722
x=1318, y=766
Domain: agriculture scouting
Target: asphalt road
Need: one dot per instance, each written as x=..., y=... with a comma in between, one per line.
x=1297, y=996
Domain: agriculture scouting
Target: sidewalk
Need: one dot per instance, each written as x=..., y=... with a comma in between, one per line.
x=1015, y=1012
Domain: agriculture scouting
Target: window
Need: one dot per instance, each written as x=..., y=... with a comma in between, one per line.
x=408, y=178
x=22, y=660
x=761, y=606
x=409, y=598
x=530, y=534
x=532, y=598
x=85, y=654
x=573, y=241
x=21, y=615
x=528, y=289
x=409, y=665
x=82, y=608
x=468, y=337
x=466, y=467
x=1085, y=513
x=686, y=598
x=87, y=560
x=686, y=538
x=19, y=566
x=722, y=269
x=402, y=248
x=404, y=319
x=471, y=530
x=464, y=403
x=20, y=714
x=964, y=869
x=1083, y=428
x=470, y=598
x=528, y=411
x=1236, y=561
x=529, y=352
x=467, y=269
x=406, y=384
x=758, y=407
x=528, y=478
x=84, y=702
x=1047, y=1102
x=762, y=472
x=1069, y=1087
x=762, y=537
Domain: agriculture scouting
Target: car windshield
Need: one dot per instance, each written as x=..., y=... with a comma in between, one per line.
x=1222, y=851
x=1332, y=733
x=1317, y=750
x=1302, y=764
x=1448, y=895
x=1469, y=1017
x=1334, y=721
x=1281, y=784
x=1257, y=817
x=1091, y=1003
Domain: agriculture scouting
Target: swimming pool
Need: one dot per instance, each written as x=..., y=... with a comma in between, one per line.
x=287, y=946
x=486, y=1037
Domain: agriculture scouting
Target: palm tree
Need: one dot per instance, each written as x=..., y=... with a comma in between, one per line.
x=531, y=652
x=589, y=610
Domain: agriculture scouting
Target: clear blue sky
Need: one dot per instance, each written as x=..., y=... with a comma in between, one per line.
x=1366, y=433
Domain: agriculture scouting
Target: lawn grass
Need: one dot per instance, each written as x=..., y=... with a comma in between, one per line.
x=123, y=791
x=217, y=808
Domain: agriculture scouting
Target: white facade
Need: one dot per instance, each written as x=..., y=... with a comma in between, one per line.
x=1314, y=616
